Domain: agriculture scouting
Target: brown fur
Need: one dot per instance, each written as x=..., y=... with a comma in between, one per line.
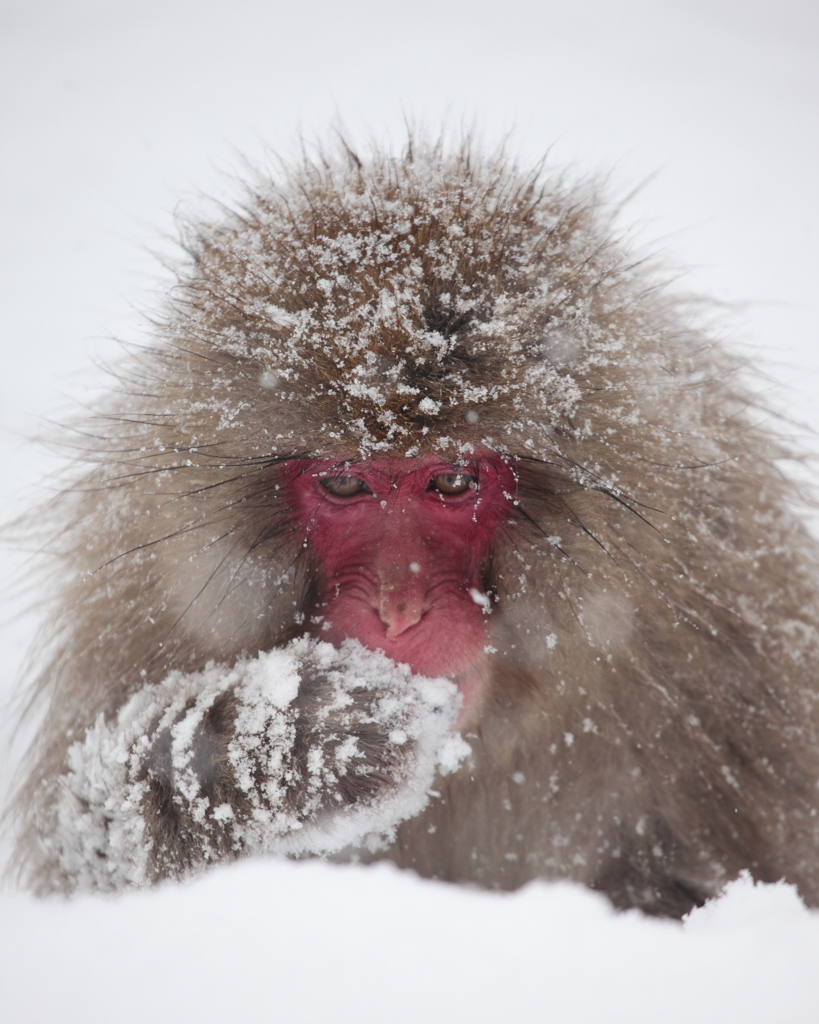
x=650, y=728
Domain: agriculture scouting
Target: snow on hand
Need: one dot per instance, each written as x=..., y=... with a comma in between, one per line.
x=99, y=824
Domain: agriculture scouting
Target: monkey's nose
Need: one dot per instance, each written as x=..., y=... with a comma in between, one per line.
x=398, y=611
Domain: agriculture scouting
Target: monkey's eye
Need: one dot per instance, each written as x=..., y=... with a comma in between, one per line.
x=343, y=486
x=451, y=483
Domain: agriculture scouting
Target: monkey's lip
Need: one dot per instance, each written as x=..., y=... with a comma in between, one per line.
x=432, y=648
x=428, y=647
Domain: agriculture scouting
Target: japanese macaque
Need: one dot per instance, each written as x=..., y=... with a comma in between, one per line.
x=430, y=527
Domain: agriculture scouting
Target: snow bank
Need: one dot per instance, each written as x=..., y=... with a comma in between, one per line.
x=277, y=940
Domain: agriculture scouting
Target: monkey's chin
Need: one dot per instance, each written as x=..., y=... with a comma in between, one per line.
x=471, y=685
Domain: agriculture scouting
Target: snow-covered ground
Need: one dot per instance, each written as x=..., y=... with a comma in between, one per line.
x=317, y=942
x=116, y=111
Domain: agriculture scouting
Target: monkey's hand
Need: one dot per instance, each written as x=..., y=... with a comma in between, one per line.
x=303, y=750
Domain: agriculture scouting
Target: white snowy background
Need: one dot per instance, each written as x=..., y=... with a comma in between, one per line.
x=113, y=112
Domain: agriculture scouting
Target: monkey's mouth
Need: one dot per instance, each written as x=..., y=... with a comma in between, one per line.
x=435, y=643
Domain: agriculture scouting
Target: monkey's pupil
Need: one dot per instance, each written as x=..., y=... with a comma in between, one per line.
x=343, y=486
x=451, y=483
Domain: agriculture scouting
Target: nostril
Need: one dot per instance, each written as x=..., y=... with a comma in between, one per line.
x=398, y=615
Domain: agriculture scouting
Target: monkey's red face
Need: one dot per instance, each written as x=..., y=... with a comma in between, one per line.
x=400, y=547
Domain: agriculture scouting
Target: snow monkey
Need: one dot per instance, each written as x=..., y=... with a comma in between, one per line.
x=428, y=526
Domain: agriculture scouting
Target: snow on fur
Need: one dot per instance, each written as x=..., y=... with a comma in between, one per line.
x=389, y=291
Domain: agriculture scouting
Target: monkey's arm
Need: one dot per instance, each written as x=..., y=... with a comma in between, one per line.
x=301, y=750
